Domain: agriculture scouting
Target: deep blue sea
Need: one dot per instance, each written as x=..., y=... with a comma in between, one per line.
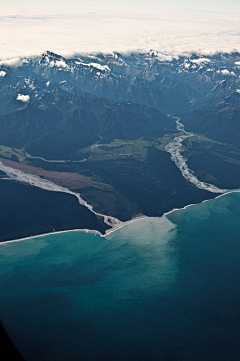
x=165, y=289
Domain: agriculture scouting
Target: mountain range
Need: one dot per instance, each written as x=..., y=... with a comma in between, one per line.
x=108, y=118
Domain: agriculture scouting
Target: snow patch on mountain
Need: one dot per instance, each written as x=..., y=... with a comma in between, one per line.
x=58, y=63
x=53, y=60
x=100, y=67
x=225, y=72
x=2, y=73
x=187, y=64
x=95, y=65
x=193, y=64
x=30, y=84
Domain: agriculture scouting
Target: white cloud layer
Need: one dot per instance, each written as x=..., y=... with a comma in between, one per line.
x=30, y=28
x=23, y=98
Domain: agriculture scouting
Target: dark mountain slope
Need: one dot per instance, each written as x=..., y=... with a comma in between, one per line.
x=219, y=121
x=59, y=123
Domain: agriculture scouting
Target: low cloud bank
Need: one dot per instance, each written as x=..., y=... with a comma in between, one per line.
x=79, y=29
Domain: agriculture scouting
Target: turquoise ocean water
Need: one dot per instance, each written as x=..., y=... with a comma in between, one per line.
x=165, y=289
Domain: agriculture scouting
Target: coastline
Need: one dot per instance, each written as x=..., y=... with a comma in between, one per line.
x=86, y=230
x=52, y=233
x=169, y=212
x=115, y=228
x=174, y=148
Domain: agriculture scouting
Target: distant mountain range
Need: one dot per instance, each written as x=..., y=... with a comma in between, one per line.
x=105, y=94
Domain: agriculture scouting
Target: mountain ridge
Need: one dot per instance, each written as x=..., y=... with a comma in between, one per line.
x=105, y=116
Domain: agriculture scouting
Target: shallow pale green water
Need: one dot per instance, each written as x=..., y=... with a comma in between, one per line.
x=158, y=289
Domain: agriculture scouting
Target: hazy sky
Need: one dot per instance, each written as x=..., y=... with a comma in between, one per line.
x=66, y=27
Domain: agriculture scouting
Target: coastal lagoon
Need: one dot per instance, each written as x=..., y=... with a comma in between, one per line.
x=156, y=289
